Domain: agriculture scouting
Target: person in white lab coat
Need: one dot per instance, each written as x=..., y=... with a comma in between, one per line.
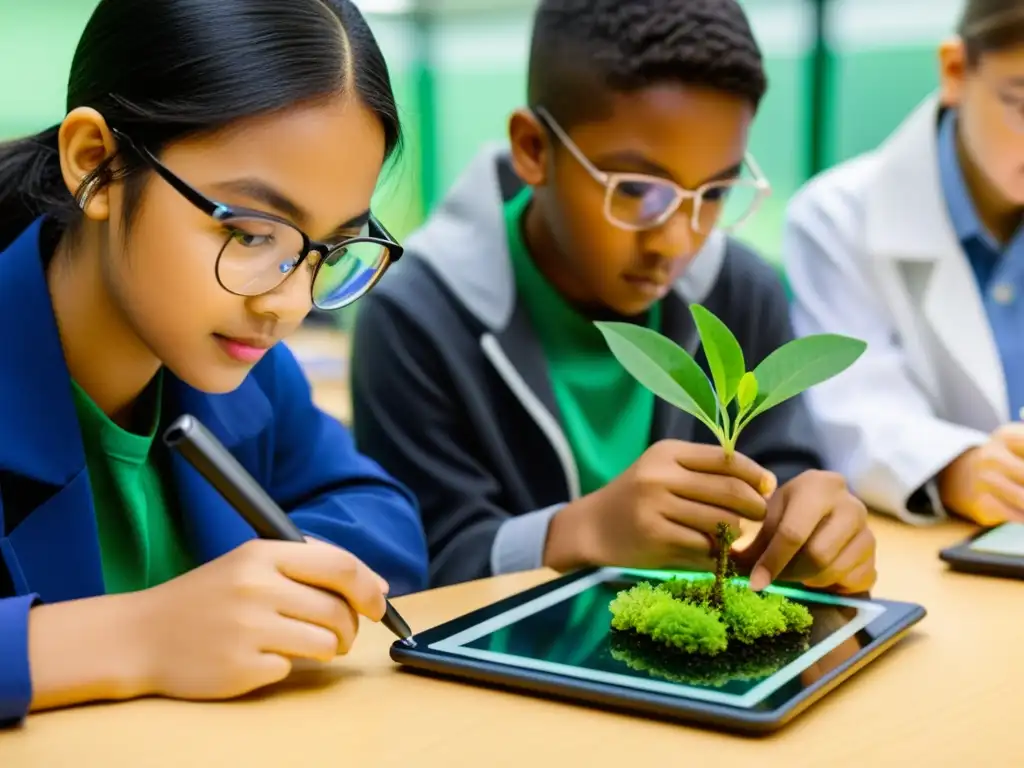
x=916, y=248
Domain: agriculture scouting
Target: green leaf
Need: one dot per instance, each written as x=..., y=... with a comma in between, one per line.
x=802, y=364
x=725, y=357
x=746, y=392
x=663, y=367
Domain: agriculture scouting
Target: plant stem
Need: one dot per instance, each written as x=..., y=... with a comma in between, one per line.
x=726, y=438
x=724, y=539
x=741, y=422
x=747, y=418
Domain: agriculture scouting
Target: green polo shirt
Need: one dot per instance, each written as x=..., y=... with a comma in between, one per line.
x=141, y=544
x=605, y=413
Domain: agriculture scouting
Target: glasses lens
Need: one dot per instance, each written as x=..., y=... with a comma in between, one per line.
x=641, y=202
x=727, y=205
x=258, y=255
x=348, y=272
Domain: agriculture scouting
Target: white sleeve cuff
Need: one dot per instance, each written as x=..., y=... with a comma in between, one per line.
x=894, y=478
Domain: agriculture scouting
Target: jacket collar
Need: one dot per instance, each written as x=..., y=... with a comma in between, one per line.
x=35, y=388
x=464, y=243
x=908, y=224
x=906, y=212
x=963, y=214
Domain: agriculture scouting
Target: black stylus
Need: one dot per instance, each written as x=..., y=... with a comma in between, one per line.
x=213, y=461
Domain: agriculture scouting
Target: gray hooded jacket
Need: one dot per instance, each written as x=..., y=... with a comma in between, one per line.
x=451, y=391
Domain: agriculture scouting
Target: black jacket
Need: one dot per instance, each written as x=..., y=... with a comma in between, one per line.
x=450, y=386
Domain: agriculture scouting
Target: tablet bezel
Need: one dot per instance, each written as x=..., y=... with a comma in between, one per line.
x=898, y=618
x=960, y=557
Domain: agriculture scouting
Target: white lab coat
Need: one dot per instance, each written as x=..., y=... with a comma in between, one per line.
x=870, y=252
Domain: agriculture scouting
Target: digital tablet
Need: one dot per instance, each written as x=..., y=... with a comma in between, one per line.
x=556, y=640
x=997, y=551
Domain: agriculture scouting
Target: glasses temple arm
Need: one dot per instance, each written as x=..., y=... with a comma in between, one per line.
x=755, y=169
x=563, y=137
x=199, y=200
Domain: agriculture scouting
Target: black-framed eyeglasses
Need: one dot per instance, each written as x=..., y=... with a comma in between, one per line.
x=262, y=250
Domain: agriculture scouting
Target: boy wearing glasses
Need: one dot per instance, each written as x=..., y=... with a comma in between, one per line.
x=917, y=249
x=480, y=380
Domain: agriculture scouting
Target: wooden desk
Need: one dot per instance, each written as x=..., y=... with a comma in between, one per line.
x=951, y=694
x=324, y=355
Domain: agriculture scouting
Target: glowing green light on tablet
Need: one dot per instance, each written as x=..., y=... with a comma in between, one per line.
x=666, y=575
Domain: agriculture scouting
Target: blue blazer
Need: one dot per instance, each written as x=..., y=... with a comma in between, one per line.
x=49, y=549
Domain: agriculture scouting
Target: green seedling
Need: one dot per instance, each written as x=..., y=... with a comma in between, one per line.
x=733, y=396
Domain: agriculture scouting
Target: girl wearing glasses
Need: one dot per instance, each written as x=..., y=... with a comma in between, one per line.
x=917, y=248
x=209, y=185
x=481, y=381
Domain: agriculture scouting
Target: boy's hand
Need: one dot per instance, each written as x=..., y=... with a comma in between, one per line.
x=662, y=512
x=815, y=532
x=235, y=624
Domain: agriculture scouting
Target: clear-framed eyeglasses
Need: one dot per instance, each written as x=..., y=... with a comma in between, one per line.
x=637, y=202
x=260, y=250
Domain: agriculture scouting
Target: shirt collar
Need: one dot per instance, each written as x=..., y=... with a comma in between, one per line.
x=962, y=212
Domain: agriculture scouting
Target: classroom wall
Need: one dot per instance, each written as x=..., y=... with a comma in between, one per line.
x=881, y=63
x=459, y=72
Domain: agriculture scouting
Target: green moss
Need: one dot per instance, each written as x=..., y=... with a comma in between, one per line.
x=703, y=616
x=653, y=611
x=750, y=617
x=681, y=615
x=798, y=618
x=691, y=590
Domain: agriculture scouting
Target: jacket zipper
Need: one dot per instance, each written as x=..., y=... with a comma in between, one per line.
x=535, y=408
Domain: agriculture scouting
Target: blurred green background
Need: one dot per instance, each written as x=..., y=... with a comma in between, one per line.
x=842, y=74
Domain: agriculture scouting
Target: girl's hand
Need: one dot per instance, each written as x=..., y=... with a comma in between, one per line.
x=237, y=623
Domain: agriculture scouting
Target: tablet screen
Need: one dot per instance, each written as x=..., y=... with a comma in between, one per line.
x=568, y=632
x=1006, y=540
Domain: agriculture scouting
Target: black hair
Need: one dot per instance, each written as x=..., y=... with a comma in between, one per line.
x=584, y=49
x=990, y=26
x=163, y=70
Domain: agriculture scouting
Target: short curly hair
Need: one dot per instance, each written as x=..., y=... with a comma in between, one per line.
x=583, y=49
